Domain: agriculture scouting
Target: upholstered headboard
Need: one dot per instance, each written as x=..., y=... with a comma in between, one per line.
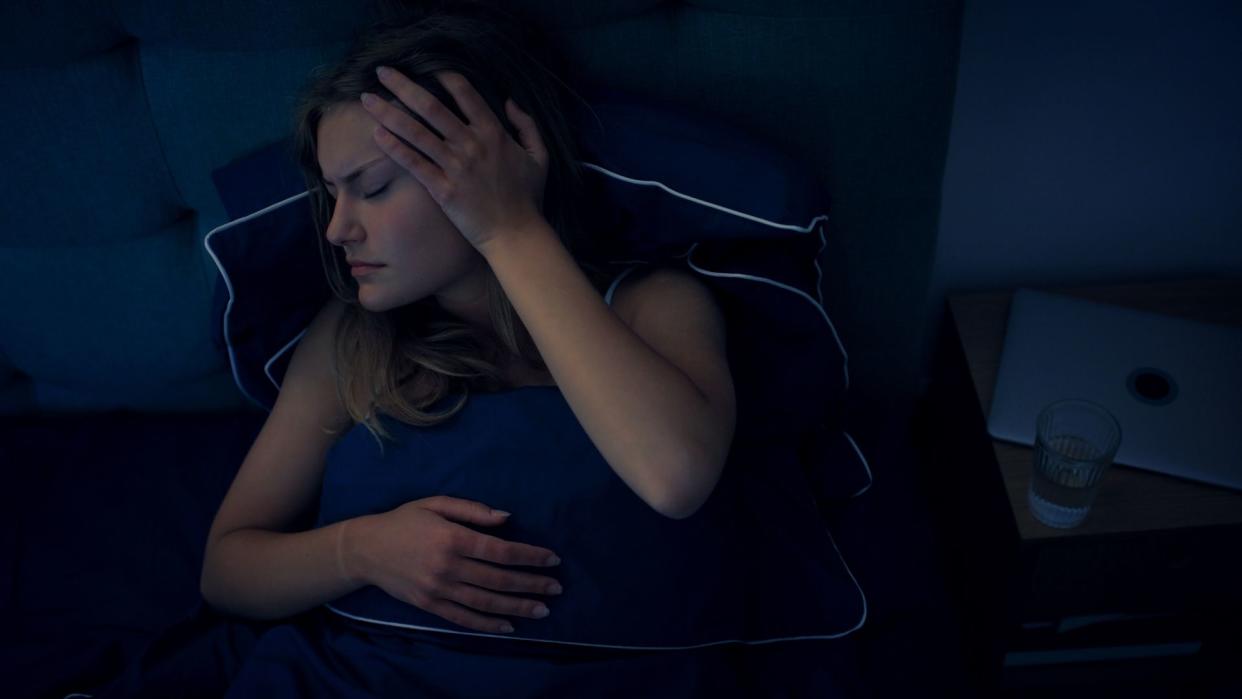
x=119, y=111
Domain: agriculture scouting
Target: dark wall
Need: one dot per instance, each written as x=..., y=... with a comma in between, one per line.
x=1093, y=142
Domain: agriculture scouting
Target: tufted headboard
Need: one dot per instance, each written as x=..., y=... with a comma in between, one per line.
x=118, y=112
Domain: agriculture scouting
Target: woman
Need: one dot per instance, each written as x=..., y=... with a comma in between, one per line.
x=428, y=182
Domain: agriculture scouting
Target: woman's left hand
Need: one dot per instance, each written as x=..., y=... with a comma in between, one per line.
x=487, y=184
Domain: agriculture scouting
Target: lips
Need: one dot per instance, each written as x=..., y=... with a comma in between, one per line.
x=356, y=263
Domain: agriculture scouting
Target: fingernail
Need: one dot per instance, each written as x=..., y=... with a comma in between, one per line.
x=507, y=628
x=502, y=513
x=383, y=71
x=541, y=611
x=555, y=590
x=553, y=560
x=368, y=98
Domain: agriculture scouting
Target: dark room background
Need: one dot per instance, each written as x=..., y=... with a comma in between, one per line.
x=1093, y=142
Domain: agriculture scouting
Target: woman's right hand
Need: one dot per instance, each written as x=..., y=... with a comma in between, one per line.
x=418, y=555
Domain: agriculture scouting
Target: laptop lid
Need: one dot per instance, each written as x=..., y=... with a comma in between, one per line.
x=1174, y=385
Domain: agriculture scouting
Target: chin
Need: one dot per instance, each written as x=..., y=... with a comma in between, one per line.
x=378, y=303
x=371, y=301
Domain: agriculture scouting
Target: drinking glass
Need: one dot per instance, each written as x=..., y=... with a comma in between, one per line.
x=1075, y=441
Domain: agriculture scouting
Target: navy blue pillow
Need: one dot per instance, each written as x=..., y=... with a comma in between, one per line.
x=671, y=187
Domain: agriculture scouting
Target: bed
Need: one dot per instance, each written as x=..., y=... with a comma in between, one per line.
x=126, y=418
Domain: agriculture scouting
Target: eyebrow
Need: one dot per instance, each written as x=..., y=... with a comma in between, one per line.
x=357, y=171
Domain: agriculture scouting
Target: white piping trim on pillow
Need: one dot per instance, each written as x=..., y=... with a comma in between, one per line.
x=708, y=204
x=267, y=367
x=866, y=466
x=689, y=254
x=228, y=284
x=784, y=226
x=615, y=282
x=819, y=273
x=801, y=294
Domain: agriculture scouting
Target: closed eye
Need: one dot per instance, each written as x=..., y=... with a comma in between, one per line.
x=376, y=192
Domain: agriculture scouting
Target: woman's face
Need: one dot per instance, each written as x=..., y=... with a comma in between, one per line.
x=385, y=215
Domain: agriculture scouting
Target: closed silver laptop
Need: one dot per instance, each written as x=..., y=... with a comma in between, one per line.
x=1175, y=385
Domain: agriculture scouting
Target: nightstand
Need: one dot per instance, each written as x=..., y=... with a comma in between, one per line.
x=1148, y=588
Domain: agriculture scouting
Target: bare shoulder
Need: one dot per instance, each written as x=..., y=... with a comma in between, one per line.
x=312, y=373
x=645, y=290
x=677, y=315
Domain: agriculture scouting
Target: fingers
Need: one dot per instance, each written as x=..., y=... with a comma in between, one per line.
x=428, y=167
x=500, y=580
x=464, y=617
x=529, y=132
x=485, y=547
x=458, y=601
x=472, y=105
x=425, y=104
x=472, y=585
x=463, y=510
x=473, y=597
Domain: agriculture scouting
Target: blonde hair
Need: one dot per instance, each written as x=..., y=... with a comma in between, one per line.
x=402, y=361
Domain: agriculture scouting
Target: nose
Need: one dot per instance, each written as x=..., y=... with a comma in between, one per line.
x=341, y=228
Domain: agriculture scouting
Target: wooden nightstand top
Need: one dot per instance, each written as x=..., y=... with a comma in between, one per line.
x=1129, y=499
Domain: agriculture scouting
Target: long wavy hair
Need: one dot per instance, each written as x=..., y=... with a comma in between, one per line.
x=402, y=361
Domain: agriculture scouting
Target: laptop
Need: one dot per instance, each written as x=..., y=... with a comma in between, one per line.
x=1174, y=385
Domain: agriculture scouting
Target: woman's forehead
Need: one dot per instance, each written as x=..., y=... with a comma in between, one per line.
x=345, y=143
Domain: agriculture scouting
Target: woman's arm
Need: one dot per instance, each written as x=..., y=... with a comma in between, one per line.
x=656, y=400
x=261, y=574
x=252, y=566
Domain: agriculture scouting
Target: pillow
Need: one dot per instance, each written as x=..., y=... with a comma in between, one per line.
x=671, y=188
x=754, y=564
